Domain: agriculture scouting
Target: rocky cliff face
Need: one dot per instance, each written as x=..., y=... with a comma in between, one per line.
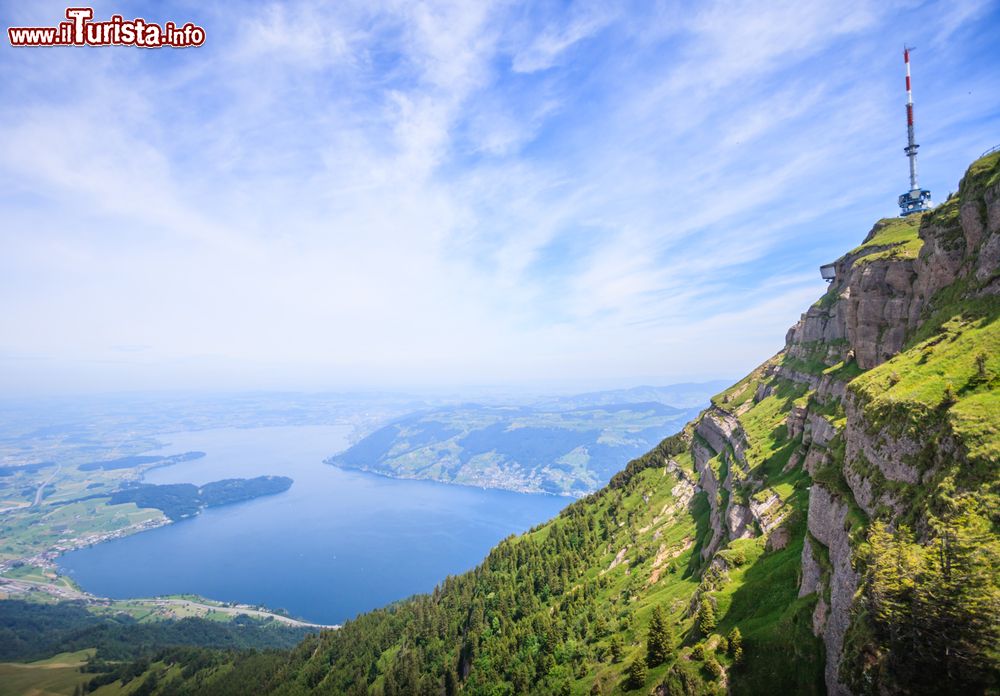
x=842, y=400
x=828, y=521
x=719, y=447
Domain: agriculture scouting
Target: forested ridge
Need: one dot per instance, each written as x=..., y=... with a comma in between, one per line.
x=31, y=631
x=180, y=500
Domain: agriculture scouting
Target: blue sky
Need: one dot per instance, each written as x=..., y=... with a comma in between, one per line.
x=415, y=194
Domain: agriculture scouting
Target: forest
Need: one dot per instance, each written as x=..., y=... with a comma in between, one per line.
x=31, y=631
x=180, y=500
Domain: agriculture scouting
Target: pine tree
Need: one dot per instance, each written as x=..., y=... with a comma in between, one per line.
x=617, y=649
x=450, y=682
x=736, y=645
x=933, y=604
x=659, y=640
x=956, y=597
x=636, y=674
x=706, y=616
x=713, y=666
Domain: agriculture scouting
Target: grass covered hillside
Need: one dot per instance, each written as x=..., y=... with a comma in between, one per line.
x=562, y=448
x=828, y=525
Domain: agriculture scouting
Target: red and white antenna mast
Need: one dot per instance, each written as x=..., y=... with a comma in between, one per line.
x=911, y=147
x=916, y=200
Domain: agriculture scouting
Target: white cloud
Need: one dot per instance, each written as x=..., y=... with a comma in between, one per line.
x=547, y=47
x=394, y=192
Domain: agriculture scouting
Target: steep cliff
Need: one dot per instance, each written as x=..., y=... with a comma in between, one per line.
x=889, y=400
x=828, y=525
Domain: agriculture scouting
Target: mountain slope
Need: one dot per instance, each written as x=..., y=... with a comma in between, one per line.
x=567, y=451
x=828, y=525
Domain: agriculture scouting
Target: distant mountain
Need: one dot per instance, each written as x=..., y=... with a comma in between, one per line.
x=685, y=395
x=569, y=451
x=139, y=460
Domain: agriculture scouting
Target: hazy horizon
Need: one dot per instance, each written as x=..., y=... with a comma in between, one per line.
x=497, y=393
x=384, y=195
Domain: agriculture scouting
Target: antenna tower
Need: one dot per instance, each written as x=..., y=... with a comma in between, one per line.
x=916, y=200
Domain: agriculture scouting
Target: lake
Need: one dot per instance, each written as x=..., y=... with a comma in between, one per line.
x=335, y=544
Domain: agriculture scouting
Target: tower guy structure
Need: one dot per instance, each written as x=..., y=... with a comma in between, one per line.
x=916, y=200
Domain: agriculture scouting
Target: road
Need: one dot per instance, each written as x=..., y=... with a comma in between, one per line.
x=41, y=489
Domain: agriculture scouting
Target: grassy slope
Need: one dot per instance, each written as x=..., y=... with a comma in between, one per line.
x=947, y=378
x=891, y=238
x=57, y=675
x=761, y=597
x=954, y=374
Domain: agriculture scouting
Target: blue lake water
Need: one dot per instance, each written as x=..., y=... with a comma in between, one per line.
x=335, y=544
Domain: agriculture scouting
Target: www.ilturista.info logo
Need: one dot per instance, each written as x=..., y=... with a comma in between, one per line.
x=81, y=31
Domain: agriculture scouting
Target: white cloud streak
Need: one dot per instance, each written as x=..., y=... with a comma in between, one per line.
x=406, y=194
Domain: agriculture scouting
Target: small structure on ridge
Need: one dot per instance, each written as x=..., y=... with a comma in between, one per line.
x=916, y=200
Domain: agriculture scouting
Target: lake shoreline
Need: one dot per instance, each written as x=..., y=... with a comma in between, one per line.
x=14, y=587
x=473, y=486
x=328, y=548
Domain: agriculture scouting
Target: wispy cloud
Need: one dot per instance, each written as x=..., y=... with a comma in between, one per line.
x=545, y=46
x=372, y=193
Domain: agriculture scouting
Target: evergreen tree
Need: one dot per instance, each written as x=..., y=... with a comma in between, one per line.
x=617, y=649
x=450, y=683
x=521, y=678
x=933, y=605
x=659, y=639
x=706, y=616
x=636, y=674
x=713, y=667
x=736, y=645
